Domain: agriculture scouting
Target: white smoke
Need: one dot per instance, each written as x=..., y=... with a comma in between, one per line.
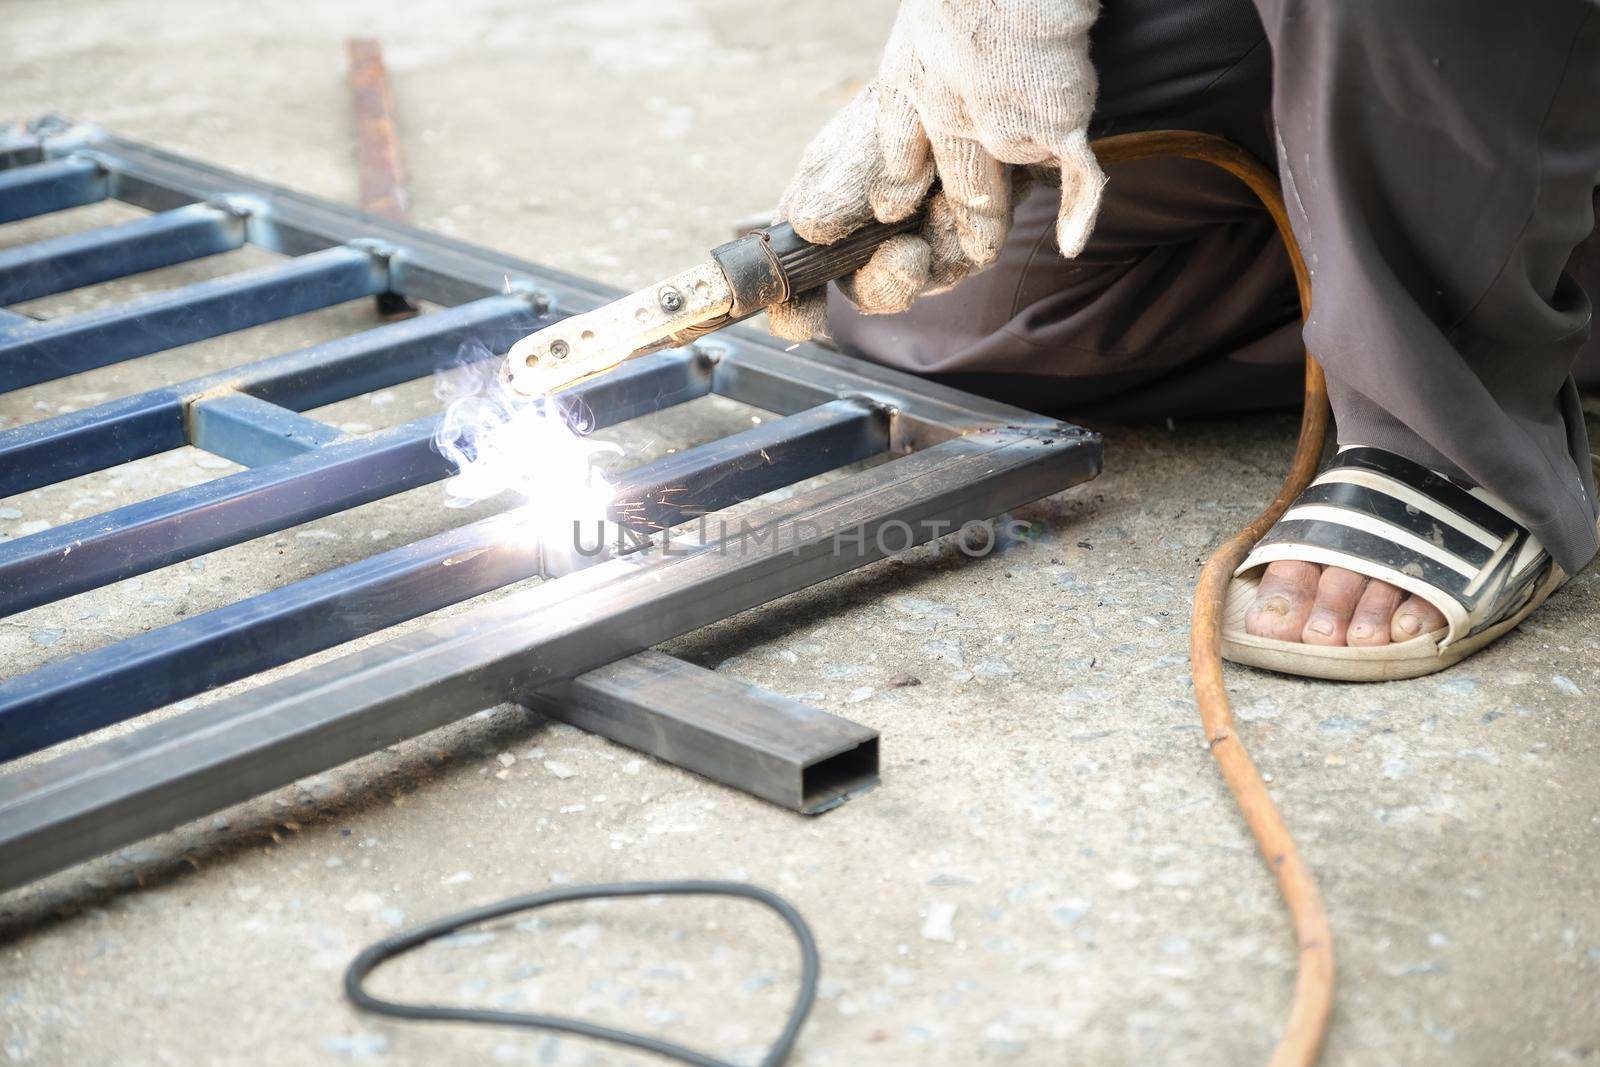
x=536, y=449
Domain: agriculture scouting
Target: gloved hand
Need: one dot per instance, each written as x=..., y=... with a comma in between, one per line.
x=965, y=88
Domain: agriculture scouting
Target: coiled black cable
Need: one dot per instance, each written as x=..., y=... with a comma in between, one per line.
x=406, y=940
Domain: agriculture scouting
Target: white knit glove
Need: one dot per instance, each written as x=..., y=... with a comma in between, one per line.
x=965, y=88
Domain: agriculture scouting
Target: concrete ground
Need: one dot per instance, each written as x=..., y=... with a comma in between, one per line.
x=1051, y=873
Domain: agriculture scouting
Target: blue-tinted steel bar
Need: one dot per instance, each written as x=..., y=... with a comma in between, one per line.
x=80, y=259
x=176, y=526
x=11, y=320
x=58, y=347
x=130, y=540
x=388, y=355
x=252, y=432
x=709, y=477
x=66, y=446
x=40, y=188
x=120, y=681
x=81, y=442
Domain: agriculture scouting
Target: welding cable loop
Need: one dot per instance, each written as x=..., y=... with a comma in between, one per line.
x=1312, y=1004
x=371, y=958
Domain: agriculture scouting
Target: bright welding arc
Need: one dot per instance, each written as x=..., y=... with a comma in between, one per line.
x=536, y=448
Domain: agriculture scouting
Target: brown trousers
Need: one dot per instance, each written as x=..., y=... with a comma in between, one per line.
x=1441, y=161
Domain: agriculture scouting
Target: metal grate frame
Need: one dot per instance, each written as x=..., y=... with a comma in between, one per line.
x=958, y=459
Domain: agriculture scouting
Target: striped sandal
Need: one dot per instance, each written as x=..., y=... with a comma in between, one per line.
x=1383, y=516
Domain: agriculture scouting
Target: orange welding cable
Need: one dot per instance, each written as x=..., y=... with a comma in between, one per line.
x=1312, y=1004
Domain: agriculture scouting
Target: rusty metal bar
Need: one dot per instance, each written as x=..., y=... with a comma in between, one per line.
x=382, y=178
x=383, y=190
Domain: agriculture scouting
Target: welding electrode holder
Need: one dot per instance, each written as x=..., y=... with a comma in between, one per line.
x=771, y=266
x=743, y=276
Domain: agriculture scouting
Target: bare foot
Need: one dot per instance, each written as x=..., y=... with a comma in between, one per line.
x=1319, y=605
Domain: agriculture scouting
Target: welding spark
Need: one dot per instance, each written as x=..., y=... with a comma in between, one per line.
x=536, y=450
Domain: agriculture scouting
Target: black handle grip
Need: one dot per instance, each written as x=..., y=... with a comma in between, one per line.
x=807, y=266
x=770, y=266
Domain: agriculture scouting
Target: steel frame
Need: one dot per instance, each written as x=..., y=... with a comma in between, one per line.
x=956, y=458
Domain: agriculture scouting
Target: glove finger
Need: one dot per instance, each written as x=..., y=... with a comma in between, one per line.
x=947, y=260
x=1081, y=183
x=827, y=198
x=889, y=281
x=975, y=183
x=800, y=319
x=907, y=162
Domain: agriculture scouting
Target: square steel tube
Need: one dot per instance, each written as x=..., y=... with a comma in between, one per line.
x=252, y=432
x=55, y=348
x=180, y=525
x=389, y=354
x=81, y=442
x=88, y=553
x=79, y=259
x=73, y=696
x=730, y=731
x=79, y=805
x=54, y=185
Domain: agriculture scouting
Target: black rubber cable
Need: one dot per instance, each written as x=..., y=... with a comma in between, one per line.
x=406, y=940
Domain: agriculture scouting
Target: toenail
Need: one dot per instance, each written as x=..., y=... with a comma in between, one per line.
x=1321, y=625
x=1277, y=605
x=1410, y=624
x=1361, y=629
